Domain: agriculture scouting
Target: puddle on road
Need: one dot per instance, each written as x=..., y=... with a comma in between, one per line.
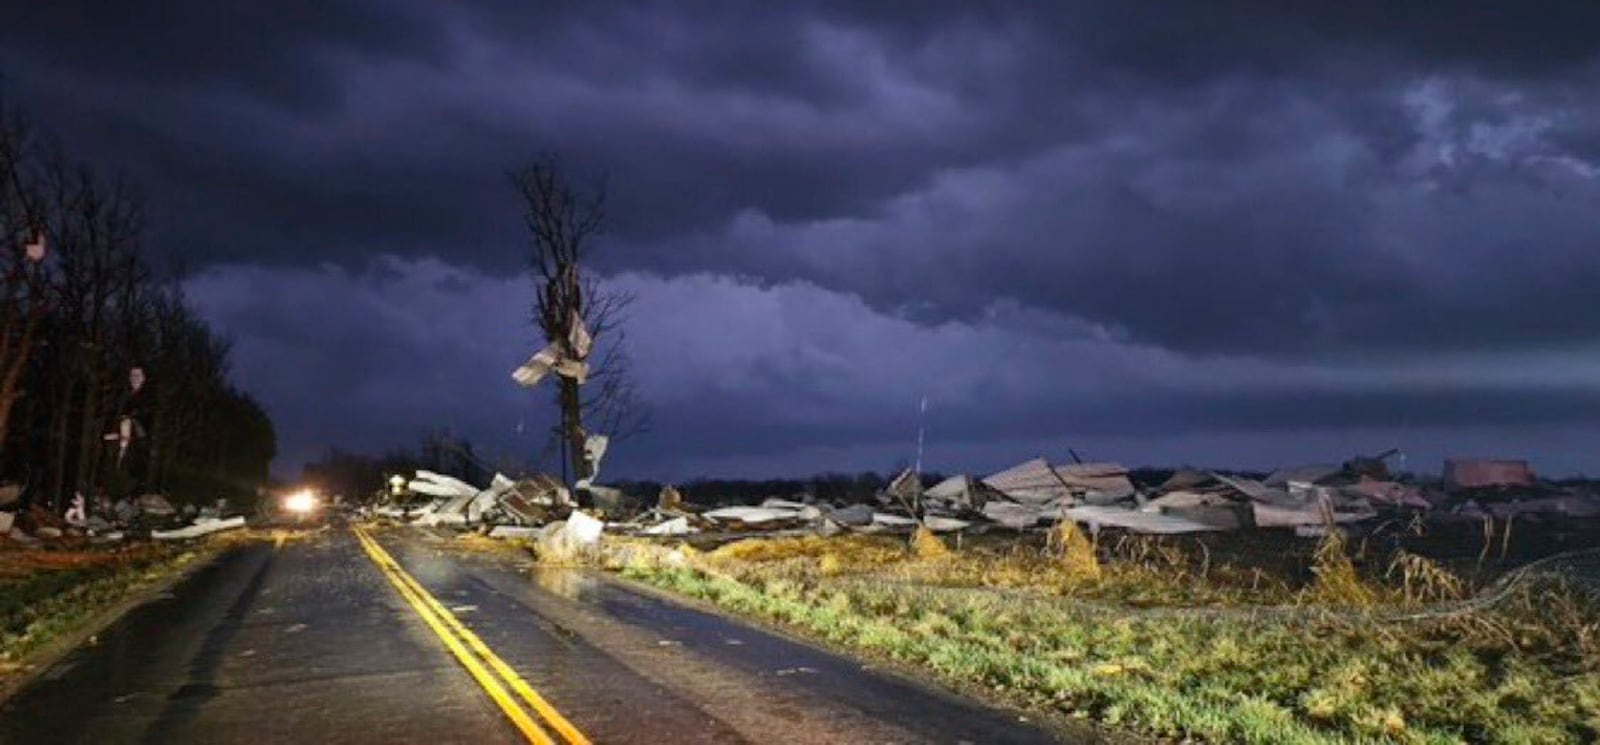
x=571, y=584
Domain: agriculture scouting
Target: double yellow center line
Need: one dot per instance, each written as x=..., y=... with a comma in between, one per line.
x=491, y=673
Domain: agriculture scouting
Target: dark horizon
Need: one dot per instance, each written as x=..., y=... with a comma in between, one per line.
x=1264, y=237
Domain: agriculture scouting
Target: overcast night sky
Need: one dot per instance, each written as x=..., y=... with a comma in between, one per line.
x=1158, y=234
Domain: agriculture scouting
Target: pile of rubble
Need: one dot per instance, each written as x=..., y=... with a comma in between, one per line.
x=1035, y=494
x=108, y=521
x=1038, y=494
x=1507, y=489
x=450, y=501
x=539, y=508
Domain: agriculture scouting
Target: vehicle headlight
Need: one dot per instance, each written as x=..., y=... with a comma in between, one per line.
x=300, y=502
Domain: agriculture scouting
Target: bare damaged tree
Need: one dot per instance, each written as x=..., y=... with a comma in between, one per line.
x=573, y=311
x=24, y=299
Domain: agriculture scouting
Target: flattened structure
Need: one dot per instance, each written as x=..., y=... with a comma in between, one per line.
x=1032, y=482
x=1473, y=473
x=1097, y=482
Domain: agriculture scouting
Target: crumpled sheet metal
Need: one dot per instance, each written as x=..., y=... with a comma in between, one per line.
x=578, y=338
x=1015, y=515
x=538, y=366
x=546, y=361
x=489, y=498
x=855, y=515
x=940, y=524
x=1392, y=493
x=1108, y=480
x=1135, y=520
x=1037, y=482
x=440, y=485
x=1032, y=482
x=594, y=450
x=1255, y=490
x=531, y=500
x=565, y=357
x=1283, y=516
x=954, y=489
x=675, y=526
x=752, y=515
x=962, y=494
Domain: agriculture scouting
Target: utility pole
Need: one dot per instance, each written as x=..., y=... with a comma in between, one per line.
x=922, y=425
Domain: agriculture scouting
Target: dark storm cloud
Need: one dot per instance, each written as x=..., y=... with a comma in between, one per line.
x=207, y=100
x=279, y=53
x=1275, y=183
x=1256, y=216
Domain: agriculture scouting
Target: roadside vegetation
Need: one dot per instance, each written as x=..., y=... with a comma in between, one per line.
x=46, y=595
x=1159, y=637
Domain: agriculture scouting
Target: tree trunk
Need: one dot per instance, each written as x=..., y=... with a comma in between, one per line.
x=89, y=437
x=154, y=446
x=13, y=374
x=572, y=427
x=58, y=433
x=7, y=400
x=6, y=354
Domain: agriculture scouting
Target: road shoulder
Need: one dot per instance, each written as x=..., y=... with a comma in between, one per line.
x=140, y=590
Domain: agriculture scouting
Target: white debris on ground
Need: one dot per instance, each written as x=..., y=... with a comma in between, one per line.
x=1034, y=495
x=672, y=526
x=753, y=515
x=568, y=539
x=102, y=521
x=202, y=526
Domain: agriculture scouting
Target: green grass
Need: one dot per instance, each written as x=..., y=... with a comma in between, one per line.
x=1526, y=671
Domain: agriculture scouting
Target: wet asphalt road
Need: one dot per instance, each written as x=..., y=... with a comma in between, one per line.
x=307, y=643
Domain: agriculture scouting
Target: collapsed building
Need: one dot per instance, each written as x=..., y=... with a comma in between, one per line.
x=1031, y=495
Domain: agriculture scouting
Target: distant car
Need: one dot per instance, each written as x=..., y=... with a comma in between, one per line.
x=303, y=508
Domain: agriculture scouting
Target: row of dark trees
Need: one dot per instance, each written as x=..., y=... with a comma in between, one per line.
x=81, y=309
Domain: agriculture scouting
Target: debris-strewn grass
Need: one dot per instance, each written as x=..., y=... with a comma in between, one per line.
x=1147, y=636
